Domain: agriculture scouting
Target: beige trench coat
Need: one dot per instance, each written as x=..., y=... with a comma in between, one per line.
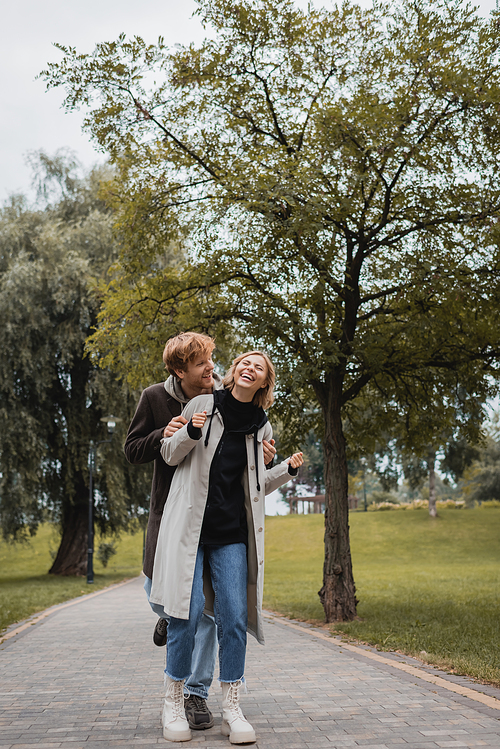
x=180, y=527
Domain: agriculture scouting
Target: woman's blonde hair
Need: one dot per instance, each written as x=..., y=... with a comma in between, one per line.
x=264, y=397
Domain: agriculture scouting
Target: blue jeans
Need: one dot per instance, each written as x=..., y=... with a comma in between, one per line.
x=205, y=650
x=228, y=572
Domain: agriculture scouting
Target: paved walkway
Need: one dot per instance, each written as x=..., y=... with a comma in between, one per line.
x=88, y=675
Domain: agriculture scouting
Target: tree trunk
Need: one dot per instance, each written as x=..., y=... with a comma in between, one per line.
x=338, y=592
x=71, y=557
x=432, y=484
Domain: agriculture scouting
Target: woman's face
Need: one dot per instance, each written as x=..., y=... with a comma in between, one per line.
x=250, y=374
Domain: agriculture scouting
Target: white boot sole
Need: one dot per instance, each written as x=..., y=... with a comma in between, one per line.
x=170, y=735
x=242, y=737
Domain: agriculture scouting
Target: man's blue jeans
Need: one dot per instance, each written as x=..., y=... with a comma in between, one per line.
x=204, y=652
x=228, y=571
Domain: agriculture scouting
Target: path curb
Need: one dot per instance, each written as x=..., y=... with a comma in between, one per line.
x=19, y=627
x=473, y=694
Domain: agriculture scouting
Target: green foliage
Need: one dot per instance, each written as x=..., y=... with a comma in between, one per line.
x=459, y=455
x=52, y=397
x=481, y=479
x=105, y=552
x=382, y=496
x=424, y=584
x=331, y=177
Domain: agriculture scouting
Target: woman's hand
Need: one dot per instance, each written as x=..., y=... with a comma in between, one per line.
x=296, y=460
x=198, y=420
x=269, y=451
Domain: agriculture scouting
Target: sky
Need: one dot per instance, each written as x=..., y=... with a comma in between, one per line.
x=32, y=119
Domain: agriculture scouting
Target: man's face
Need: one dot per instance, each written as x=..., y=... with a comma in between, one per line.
x=198, y=377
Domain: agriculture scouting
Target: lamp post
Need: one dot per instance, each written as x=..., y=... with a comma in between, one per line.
x=364, y=487
x=111, y=422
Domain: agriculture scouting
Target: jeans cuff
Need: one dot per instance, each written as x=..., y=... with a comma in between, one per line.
x=197, y=692
x=174, y=678
x=242, y=679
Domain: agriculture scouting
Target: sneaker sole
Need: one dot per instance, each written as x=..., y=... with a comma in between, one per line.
x=201, y=726
x=159, y=640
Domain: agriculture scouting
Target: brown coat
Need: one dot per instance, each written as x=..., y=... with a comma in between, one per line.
x=158, y=405
x=155, y=410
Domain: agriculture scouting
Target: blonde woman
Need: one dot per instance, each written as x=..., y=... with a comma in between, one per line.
x=210, y=552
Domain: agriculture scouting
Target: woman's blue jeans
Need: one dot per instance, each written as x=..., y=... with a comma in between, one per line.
x=228, y=572
x=204, y=652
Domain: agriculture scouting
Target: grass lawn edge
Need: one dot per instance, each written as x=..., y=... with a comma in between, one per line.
x=441, y=663
x=17, y=627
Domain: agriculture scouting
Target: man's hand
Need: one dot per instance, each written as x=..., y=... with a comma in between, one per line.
x=174, y=425
x=198, y=420
x=269, y=451
x=296, y=460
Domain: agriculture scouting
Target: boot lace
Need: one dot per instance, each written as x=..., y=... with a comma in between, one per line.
x=233, y=699
x=175, y=690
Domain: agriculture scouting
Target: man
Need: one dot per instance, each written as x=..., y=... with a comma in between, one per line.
x=188, y=359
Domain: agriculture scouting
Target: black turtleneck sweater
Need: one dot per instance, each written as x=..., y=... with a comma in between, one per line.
x=225, y=520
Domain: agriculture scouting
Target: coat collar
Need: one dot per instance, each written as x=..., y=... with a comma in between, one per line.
x=173, y=387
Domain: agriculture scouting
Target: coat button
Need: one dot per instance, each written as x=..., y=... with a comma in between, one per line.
x=250, y=436
x=255, y=499
x=252, y=468
x=260, y=530
x=261, y=561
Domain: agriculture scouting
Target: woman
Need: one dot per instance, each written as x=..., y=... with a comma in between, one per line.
x=210, y=549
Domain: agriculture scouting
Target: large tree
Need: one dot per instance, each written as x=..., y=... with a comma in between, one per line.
x=333, y=178
x=52, y=396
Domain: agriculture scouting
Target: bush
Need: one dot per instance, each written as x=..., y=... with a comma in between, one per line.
x=386, y=506
x=105, y=553
x=449, y=504
x=419, y=504
x=379, y=497
x=423, y=504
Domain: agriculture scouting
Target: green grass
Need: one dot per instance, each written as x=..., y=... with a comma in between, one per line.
x=424, y=584
x=26, y=588
x=427, y=587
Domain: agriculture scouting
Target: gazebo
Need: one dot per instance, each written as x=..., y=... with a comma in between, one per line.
x=316, y=504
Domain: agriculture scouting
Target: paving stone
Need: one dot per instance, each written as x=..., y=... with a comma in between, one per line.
x=89, y=677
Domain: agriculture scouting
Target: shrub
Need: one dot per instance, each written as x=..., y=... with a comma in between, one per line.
x=386, y=506
x=419, y=504
x=105, y=553
x=448, y=504
x=379, y=497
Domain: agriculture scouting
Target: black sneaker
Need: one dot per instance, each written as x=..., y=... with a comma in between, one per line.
x=198, y=715
x=160, y=633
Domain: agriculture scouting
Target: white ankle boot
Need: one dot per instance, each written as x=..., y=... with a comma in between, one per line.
x=234, y=723
x=175, y=725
